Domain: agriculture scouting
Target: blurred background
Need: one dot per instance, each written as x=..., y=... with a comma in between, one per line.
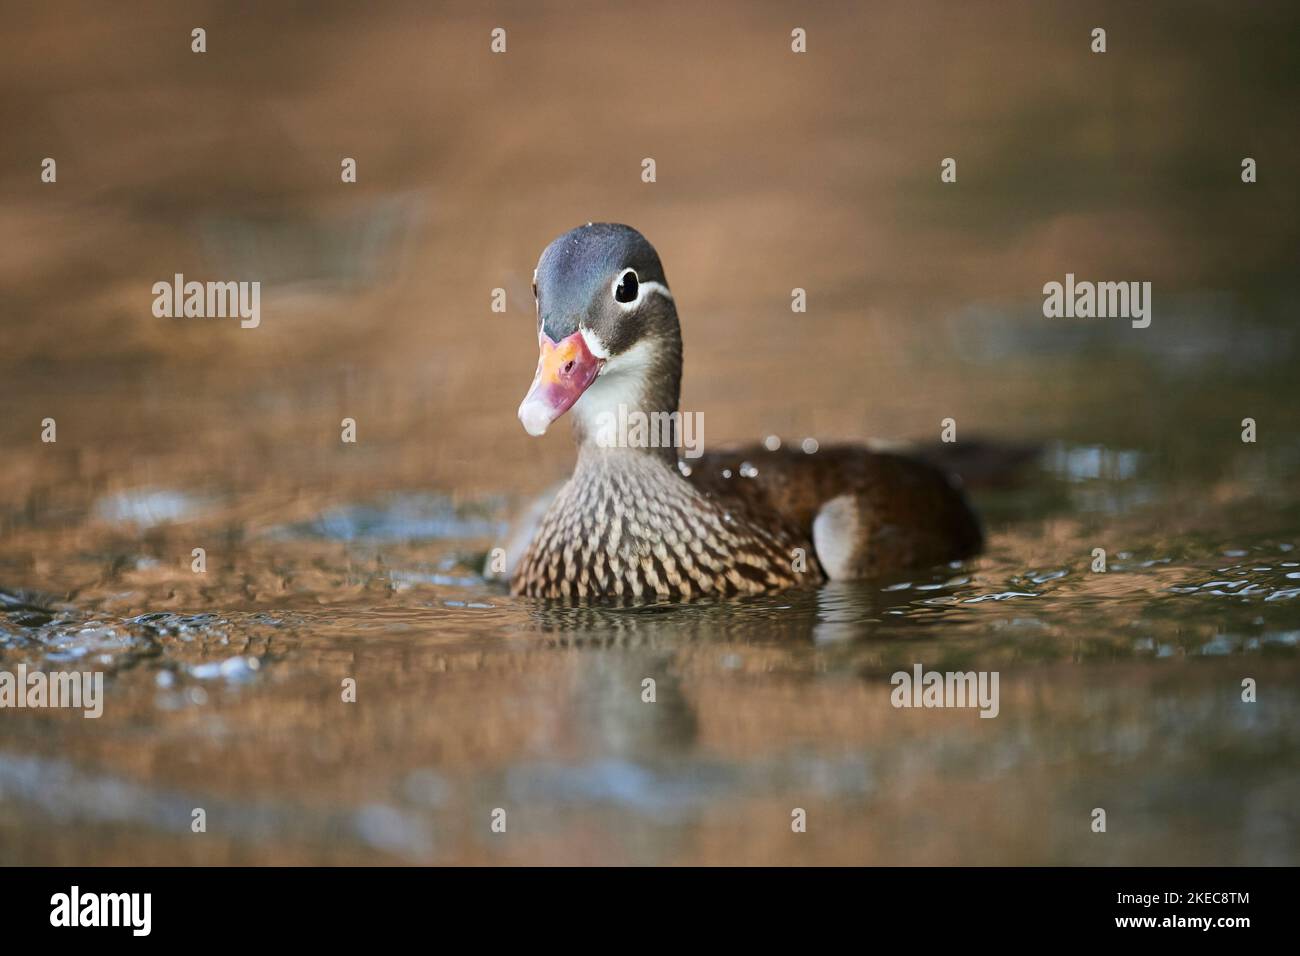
x=774, y=171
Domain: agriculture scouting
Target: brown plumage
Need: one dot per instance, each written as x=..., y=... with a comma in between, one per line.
x=629, y=524
x=634, y=523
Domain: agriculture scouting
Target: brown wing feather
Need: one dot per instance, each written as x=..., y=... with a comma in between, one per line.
x=914, y=512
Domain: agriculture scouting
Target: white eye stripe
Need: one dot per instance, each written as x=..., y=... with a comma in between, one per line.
x=658, y=287
x=643, y=289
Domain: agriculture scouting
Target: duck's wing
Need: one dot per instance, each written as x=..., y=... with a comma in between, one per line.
x=867, y=511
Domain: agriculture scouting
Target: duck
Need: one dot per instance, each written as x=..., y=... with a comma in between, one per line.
x=636, y=521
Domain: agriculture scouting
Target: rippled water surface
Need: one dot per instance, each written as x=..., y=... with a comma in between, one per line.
x=326, y=562
x=1118, y=689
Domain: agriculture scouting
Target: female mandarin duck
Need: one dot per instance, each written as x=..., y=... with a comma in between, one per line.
x=633, y=523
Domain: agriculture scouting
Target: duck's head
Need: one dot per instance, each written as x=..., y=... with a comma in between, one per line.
x=606, y=327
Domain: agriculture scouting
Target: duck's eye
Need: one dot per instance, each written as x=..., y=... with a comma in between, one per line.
x=626, y=289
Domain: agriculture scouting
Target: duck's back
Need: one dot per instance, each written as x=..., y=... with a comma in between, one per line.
x=868, y=511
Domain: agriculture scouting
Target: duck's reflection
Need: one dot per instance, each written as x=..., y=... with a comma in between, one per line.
x=634, y=705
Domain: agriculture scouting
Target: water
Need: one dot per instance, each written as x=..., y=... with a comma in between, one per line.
x=326, y=562
x=1118, y=689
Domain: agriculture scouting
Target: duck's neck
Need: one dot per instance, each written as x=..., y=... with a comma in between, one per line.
x=631, y=408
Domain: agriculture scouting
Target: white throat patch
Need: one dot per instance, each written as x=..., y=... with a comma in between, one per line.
x=621, y=381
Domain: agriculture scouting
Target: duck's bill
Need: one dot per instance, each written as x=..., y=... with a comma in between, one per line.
x=564, y=371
